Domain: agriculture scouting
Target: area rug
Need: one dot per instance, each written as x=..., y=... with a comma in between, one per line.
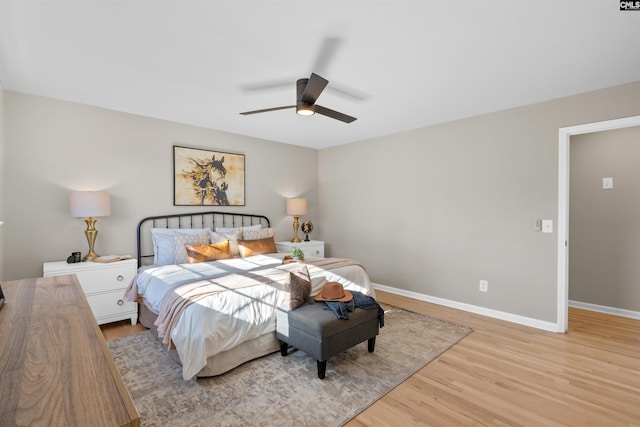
x=281, y=391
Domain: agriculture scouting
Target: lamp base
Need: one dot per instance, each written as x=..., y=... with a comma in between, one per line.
x=91, y=234
x=90, y=256
x=296, y=224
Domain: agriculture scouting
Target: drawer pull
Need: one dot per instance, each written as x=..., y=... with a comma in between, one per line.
x=120, y=277
x=120, y=302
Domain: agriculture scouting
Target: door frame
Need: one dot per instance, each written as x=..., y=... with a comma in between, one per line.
x=564, y=139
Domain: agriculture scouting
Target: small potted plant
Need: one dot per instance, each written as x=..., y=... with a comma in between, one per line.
x=297, y=254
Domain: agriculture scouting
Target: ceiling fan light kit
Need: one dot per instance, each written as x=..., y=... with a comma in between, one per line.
x=308, y=91
x=305, y=110
x=304, y=107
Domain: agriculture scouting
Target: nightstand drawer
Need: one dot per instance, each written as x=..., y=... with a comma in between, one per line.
x=110, y=304
x=104, y=280
x=314, y=250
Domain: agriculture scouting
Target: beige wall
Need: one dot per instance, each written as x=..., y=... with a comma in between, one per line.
x=53, y=147
x=604, y=225
x=436, y=209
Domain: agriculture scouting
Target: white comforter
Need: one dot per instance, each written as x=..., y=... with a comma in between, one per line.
x=226, y=319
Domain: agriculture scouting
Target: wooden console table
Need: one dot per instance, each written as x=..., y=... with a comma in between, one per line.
x=55, y=366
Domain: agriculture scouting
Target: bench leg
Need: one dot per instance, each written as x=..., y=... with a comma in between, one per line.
x=284, y=347
x=322, y=369
x=371, y=344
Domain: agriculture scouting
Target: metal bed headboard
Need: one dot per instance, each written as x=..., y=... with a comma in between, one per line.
x=209, y=219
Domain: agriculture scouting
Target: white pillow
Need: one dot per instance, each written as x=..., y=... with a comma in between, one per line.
x=181, y=239
x=231, y=236
x=164, y=248
x=263, y=233
x=228, y=230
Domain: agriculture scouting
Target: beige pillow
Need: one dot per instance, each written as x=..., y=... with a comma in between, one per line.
x=262, y=233
x=182, y=239
x=231, y=236
x=257, y=247
x=299, y=287
x=210, y=252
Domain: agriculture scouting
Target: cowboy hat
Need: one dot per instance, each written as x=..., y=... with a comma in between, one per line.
x=333, y=291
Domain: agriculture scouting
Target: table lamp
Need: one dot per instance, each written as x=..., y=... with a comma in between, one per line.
x=295, y=208
x=89, y=204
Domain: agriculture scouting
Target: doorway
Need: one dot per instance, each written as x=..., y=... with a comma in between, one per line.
x=564, y=138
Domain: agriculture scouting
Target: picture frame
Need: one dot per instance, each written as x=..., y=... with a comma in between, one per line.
x=207, y=177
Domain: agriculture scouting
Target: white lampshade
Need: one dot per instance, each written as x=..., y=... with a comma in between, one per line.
x=85, y=204
x=296, y=207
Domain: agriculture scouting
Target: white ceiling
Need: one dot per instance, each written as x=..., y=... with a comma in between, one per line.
x=403, y=64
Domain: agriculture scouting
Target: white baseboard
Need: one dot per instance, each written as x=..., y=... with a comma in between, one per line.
x=604, y=309
x=509, y=317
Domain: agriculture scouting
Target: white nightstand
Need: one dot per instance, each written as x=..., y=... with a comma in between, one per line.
x=312, y=247
x=103, y=285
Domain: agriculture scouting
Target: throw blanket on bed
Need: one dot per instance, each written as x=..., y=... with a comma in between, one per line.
x=234, y=279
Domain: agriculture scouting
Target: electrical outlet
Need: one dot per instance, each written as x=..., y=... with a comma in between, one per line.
x=484, y=286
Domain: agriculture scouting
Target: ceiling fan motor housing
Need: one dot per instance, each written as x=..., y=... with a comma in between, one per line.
x=303, y=108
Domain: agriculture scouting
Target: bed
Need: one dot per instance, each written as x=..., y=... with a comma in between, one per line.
x=214, y=314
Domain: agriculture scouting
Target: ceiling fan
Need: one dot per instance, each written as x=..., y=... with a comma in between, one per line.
x=308, y=91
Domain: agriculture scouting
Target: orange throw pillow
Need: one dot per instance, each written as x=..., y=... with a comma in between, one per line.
x=210, y=252
x=257, y=246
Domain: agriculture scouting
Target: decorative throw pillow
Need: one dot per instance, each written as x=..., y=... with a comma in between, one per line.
x=182, y=239
x=257, y=247
x=164, y=248
x=210, y=252
x=261, y=233
x=299, y=287
x=231, y=236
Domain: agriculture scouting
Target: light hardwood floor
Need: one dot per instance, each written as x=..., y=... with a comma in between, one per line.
x=503, y=374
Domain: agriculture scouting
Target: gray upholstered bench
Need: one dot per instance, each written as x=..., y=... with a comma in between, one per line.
x=320, y=334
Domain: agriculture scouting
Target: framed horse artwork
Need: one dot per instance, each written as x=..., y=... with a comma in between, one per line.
x=207, y=178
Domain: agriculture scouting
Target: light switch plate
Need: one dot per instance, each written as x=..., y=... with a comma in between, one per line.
x=547, y=226
x=607, y=183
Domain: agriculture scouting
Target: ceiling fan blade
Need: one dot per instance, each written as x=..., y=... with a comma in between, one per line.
x=327, y=51
x=266, y=110
x=334, y=114
x=314, y=88
x=267, y=85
